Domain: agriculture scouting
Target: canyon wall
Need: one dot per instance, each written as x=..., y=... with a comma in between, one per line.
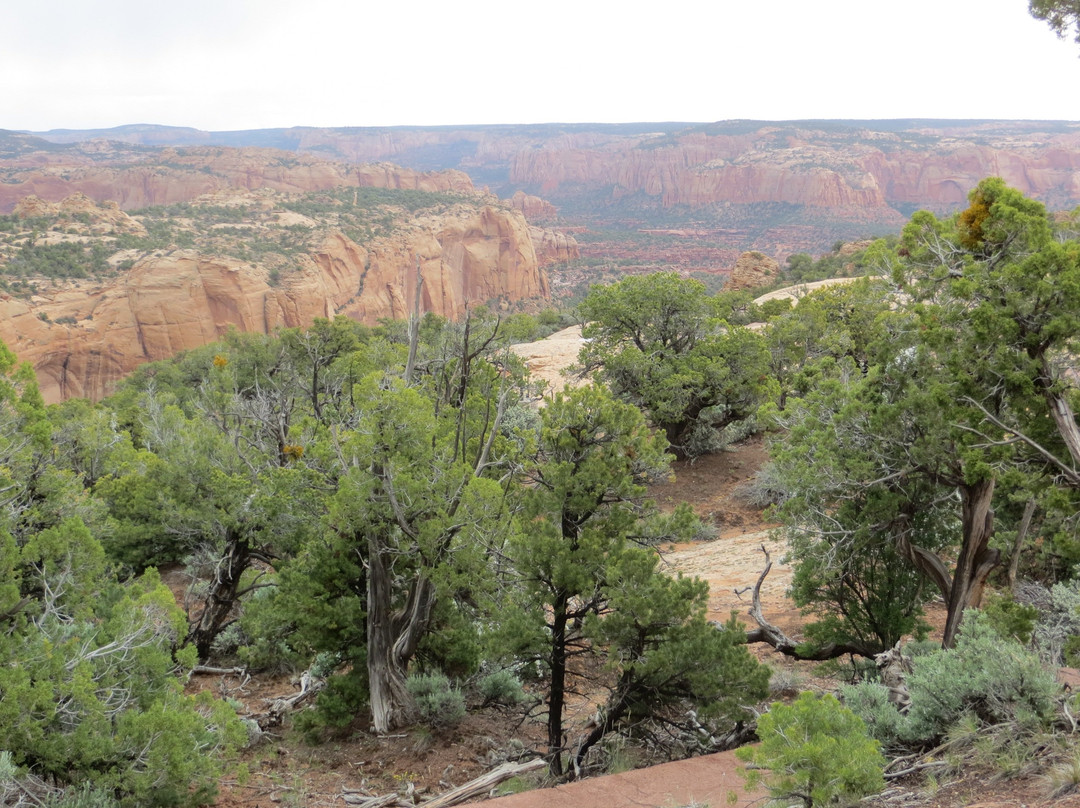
x=856, y=174
x=180, y=175
x=858, y=168
x=176, y=300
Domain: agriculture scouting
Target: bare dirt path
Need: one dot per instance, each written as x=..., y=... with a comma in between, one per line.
x=708, y=780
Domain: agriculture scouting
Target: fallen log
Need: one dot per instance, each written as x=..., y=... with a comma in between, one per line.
x=275, y=714
x=477, y=787
x=483, y=784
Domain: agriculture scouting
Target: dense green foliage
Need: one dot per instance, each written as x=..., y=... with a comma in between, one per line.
x=890, y=463
x=816, y=751
x=587, y=581
x=66, y=259
x=91, y=689
x=661, y=344
x=394, y=516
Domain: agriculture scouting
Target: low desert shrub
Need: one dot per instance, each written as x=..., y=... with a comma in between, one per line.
x=440, y=704
x=995, y=678
x=987, y=676
x=500, y=687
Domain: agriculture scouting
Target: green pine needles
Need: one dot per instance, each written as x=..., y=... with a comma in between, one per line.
x=814, y=750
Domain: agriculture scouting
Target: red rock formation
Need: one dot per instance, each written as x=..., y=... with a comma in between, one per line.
x=180, y=175
x=175, y=301
x=534, y=208
x=104, y=218
x=553, y=246
x=752, y=271
x=845, y=172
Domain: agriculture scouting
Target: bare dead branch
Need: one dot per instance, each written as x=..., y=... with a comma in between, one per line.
x=1071, y=475
x=770, y=634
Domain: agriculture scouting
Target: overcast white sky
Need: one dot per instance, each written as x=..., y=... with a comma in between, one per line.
x=244, y=64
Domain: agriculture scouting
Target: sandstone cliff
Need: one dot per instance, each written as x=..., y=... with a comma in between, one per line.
x=869, y=165
x=553, y=246
x=848, y=169
x=180, y=175
x=82, y=337
x=534, y=208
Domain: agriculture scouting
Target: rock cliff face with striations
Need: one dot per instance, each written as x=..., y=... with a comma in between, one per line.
x=180, y=175
x=778, y=187
x=553, y=246
x=534, y=208
x=853, y=170
x=175, y=300
x=860, y=168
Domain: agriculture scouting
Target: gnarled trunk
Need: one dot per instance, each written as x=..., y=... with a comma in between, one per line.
x=392, y=640
x=221, y=597
x=976, y=559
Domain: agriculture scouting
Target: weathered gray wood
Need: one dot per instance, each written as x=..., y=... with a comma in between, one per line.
x=483, y=784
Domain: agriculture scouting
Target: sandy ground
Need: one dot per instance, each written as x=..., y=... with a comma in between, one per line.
x=549, y=357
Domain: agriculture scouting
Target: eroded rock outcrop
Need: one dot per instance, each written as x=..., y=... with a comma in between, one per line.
x=82, y=338
x=534, y=208
x=553, y=246
x=97, y=219
x=752, y=271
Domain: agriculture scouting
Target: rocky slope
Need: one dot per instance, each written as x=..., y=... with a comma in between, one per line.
x=256, y=261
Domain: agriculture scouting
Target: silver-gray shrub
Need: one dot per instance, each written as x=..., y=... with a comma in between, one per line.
x=992, y=678
x=440, y=704
x=1058, y=626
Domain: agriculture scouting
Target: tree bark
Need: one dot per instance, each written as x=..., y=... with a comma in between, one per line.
x=557, y=696
x=392, y=640
x=772, y=635
x=1022, y=531
x=976, y=559
x=220, y=599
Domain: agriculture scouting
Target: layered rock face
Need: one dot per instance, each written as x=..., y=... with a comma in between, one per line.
x=178, y=300
x=553, y=246
x=854, y=174
x=82, y=336
x=180, y=175
x=534, y=208
x=857, y=168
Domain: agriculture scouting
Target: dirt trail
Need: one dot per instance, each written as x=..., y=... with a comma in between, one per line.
x=707, y=780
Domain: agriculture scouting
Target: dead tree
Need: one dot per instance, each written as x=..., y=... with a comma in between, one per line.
x=772, y=635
